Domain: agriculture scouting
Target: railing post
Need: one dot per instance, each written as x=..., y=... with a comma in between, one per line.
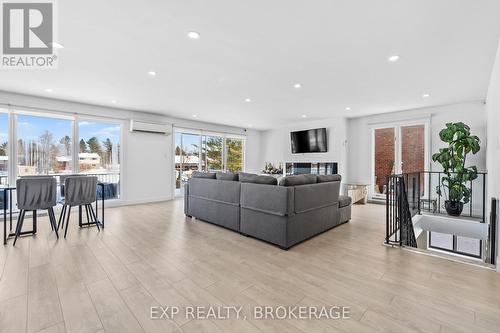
x=400, y=209
x=439, y=197
x=387, y=182
x=471, y=200
x=493, y=231
x=418, y=193
x=484, y=198
x=429, y=195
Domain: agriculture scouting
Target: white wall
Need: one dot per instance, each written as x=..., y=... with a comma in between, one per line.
x=359, y=142
x=493, y=153
x=276, y=146
x=147, y=166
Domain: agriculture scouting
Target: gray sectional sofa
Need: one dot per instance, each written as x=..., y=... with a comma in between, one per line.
x=285, y=214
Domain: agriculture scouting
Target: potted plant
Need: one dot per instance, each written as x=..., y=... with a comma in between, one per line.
x=454, y=184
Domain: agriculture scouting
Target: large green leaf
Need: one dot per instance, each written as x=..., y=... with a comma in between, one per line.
x=453, y=160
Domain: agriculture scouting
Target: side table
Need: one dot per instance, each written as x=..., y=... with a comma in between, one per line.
x=358, y=192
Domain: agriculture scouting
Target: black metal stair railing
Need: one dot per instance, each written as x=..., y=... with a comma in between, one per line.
x=402, y=203
x=415, y=193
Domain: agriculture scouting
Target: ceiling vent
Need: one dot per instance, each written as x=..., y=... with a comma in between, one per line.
x=149, y=127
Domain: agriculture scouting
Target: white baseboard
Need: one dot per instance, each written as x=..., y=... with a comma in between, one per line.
x=139, y=202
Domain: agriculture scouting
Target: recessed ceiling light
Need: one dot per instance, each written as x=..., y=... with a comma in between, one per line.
x=426, y=95
x=56, y=45
x=304, y=116
x=193, y=35
x=194, y=116
x=297, y=85
x=49, y=90
x=114, y=101
x=393, y=58
x=152, y=73
x=347, y=108
x=248, y=100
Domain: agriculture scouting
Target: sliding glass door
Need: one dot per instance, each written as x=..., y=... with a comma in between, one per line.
x=212, y=148
x=398, y=148
x=187, y=158
x=234, y=155
x=210, y=152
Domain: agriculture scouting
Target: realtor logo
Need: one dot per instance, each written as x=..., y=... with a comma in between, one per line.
x=27, y=35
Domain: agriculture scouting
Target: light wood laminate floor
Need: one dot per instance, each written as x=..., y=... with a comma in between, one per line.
x=152, y=255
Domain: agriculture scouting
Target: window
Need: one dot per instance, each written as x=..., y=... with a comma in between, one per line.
x=214, y=152
x=99, y=153
x=469, y=246
x=4, y=148
x=44, y=145
x=441, y=241
x=457, y=244
x=55, y=144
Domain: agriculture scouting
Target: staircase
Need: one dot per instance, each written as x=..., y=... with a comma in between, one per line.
x=400, y=209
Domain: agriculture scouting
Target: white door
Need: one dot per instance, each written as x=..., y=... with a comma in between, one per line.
x=398, y=148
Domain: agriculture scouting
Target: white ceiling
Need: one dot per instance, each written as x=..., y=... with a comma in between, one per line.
x=337, y=49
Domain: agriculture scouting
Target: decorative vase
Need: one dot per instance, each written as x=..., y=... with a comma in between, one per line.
x=454, y=208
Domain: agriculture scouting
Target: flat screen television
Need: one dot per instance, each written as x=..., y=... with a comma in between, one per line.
x=310, y=141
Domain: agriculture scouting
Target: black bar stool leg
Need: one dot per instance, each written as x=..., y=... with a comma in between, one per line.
x=52, y=218
x=19, y=226
x=80, y=215
x=61, y=217
x=92, y=213
x=34, y=221
x=87, y=212
x=67, y=222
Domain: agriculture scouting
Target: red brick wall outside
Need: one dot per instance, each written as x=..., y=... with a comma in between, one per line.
x=413, y=149
x=412, y=152
x=412, y=146
x=384, y=156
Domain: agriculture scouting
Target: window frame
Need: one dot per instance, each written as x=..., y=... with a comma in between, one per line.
x=12, y=113
x=201, y=133
x=454, y=248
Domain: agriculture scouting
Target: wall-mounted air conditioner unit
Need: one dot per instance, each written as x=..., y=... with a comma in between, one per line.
x=149, y=127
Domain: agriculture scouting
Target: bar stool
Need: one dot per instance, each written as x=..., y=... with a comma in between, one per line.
x=78, y=191
x=62, y=179
x=35, y=193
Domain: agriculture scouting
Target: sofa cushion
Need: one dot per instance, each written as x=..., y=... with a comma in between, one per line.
x=226, y=176
x=198, y=174
x=329, y=178
x=314, y=196
x=298, y=180
x=257, y=179
x=215, y=190
x=276, y=200
x=344, y=201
